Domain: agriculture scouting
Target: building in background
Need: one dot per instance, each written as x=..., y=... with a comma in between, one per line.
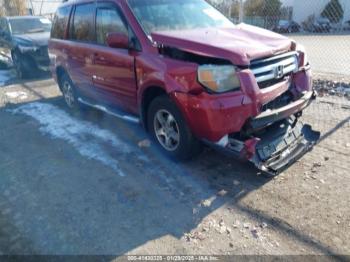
x=303, y=9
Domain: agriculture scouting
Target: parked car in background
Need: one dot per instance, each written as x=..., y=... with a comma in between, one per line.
x=189, y=81
x=25, y=40
x=320, y=25
x=285, y=26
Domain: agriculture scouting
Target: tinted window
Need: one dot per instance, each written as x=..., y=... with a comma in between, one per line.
x=83, y=23
x=60, y=22
x=108, y=20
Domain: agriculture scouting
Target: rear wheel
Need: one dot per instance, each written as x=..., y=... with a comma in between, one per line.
x=68, y=91
x=169, y=129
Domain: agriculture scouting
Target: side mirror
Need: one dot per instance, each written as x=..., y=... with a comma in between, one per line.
x=118, y=40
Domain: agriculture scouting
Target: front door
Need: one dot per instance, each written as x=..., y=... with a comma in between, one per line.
x=114, y=75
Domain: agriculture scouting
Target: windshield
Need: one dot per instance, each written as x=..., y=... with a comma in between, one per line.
x=169, y=15
x=20, y=26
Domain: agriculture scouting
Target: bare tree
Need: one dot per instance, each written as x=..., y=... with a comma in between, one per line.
x=2, y=8
x=13, y=7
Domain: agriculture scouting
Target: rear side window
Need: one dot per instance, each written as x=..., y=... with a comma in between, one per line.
x=108, y=20
x=83, y=23
x=60, y=22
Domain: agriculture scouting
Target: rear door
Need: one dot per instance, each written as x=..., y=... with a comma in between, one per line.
x=114, y=75
x=80, y=48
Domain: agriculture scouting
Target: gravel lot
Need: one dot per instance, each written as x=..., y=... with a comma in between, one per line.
x=79, y=183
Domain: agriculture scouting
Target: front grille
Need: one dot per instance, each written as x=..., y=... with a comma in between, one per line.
x=281, y=101
x=275, y=68
x=271, y=82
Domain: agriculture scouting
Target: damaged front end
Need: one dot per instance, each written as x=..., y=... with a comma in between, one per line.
x=260, y=115
x=276, y=138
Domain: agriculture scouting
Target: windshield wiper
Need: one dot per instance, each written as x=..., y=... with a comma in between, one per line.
x=36, y=30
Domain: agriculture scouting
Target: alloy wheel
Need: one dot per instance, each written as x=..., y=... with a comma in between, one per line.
x=166, y=130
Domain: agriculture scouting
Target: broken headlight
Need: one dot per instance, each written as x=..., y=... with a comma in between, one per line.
x=219, y=78
x=302, y=56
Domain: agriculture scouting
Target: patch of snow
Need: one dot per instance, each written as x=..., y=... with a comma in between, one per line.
x=86, y=137
x=17, y=95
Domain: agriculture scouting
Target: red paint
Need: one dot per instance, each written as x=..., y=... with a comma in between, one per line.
x=123, y=75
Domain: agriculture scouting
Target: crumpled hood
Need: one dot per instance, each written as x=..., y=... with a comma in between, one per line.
x=37, y=39
x=240, y=44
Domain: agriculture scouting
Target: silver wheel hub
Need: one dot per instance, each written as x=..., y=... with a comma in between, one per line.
x=166, y=130
x=68, y=93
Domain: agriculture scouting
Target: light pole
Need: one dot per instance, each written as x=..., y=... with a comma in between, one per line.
x=241, y=11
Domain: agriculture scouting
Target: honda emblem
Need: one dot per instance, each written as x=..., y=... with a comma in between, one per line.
x=279, y=71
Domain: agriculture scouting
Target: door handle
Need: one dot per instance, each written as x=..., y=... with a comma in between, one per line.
x=96, y=56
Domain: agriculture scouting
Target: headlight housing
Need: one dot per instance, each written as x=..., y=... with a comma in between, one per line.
x=302, y=55
x=26, y=46
x=25, y=49
x=219, y=78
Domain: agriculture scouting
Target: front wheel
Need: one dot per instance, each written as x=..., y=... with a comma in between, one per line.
x=20, y=65
x=169, y=129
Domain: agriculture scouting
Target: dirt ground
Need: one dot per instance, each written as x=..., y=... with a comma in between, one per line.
x=79, y=183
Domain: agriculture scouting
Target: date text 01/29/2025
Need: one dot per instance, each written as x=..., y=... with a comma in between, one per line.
x=173, y=258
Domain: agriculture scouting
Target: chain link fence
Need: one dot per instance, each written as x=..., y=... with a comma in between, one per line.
x=322, y=26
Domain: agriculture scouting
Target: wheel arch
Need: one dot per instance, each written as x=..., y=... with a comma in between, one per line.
x=148, y=95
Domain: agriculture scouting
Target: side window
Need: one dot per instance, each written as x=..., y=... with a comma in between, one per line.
x=83, y=23
x=108, y=20
x=3, y=25
x=60, y=22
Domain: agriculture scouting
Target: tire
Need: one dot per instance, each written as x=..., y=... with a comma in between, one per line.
x=69, y=92
x=170, y=131
x=21, y=68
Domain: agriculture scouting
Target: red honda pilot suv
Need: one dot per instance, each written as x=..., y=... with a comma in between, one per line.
x=189, y=75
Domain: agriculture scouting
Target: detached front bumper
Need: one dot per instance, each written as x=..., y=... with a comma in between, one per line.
x=275, y=153
x=276, y=149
